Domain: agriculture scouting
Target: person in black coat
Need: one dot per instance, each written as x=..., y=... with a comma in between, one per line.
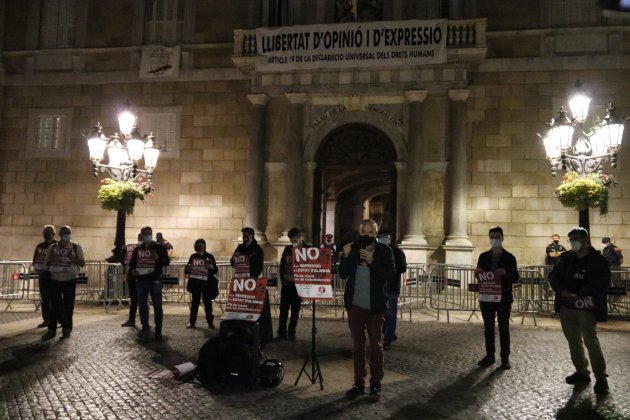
x=580, y=281
x=368, y=267
x=289, y=298
x=500, y=262
x=202, y=283
x=393, y=289
x=255, y=258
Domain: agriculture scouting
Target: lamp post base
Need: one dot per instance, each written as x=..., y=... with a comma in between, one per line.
x=584, y=222
x=118, y=252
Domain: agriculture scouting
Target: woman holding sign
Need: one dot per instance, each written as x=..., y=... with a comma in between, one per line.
x=496, y=273
x=202, y=283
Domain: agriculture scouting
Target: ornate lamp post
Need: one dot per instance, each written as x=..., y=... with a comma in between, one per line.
x=588, y=152
x=124, y=151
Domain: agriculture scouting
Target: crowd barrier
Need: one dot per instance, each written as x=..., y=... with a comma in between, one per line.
x=437, y=288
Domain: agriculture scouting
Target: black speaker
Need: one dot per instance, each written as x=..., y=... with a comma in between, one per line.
x=240, y=350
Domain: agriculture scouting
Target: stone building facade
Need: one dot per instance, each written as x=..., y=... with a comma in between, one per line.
x=437, y=153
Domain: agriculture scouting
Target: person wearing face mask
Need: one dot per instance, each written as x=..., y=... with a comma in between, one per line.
x=289, y=298
x=202, y=283
x=580, y=281
x=500, y=262
x=147, y=263
x=330, y=244
x=253, y=268
x=368, y=267
x=43, y=275
x=63, y=260
x=554, y=250
x=131, y=283
x=393, y=289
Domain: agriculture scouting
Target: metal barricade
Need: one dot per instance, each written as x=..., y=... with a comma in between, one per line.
x=414, y=293
x=529, y=292
x=14, y=282
x=174, y=282
x=617, y=294
x=448, y=289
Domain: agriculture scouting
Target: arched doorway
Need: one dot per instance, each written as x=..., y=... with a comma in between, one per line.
x=355, y=179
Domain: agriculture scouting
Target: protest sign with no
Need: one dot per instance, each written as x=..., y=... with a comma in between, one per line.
x=489, y=286
x=246, y=297
x=311, y=273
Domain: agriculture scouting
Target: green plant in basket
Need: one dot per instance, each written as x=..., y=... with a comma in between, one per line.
x=122, y=195
x=581, y=192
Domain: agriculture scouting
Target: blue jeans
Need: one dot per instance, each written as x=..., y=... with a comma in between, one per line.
x=154, y=288
x=389, y=326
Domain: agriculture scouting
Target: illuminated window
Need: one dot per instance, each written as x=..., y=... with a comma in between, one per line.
x=165, y=124
x=49, y=133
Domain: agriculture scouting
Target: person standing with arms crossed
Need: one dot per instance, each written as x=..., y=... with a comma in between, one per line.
x=499, y=262
x=147, y=263
x=43, y=275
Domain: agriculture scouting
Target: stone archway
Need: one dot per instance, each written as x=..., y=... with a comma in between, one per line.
x=355, y=162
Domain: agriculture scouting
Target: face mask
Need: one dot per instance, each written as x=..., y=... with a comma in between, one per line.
x=556, y=242
x=384, y=240
x=576, y=246
x=66, y=238
x=366, y=240
x=199, y=248
x=147, y=238
x=296, y=244
x=245, y=239
x=495, y=243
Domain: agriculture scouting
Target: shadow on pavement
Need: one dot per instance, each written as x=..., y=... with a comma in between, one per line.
x=469, y=391
x=580, y=406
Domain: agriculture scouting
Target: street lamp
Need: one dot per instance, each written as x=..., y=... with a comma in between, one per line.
x=588, y=152
x=124, y=151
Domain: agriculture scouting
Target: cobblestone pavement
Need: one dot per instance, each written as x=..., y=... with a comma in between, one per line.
x=100, y=372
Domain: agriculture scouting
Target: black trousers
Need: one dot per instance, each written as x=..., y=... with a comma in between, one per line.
x=264, y=322
x=133, y=297
x=43, y=280
x=501, y=310
x=289, y=299
x=197, y=296
x=62, y=299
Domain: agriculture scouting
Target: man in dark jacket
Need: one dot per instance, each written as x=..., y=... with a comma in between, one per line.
x=43, y=275
x=580, y=281
x=289, y=298
x=368, y=268
x=147, y=263
x=500, y=263
x=393, y=289
x=253, y=268
x=612, y=254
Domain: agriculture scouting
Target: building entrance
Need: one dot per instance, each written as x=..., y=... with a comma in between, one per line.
x=355, y=179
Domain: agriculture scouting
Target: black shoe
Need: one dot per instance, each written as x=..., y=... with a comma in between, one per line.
x=291, y=337
x=601, y=386
x=281, y=337
x=50, y=334
x=65, y=333
x=505, y=363
x=43, y=324
x=486, y=361
x=143, y=333
x=386, y=346
x=158, y=336
x=355, y=391
x=577, y=378
x=129, y=323
x=375, y=393
x=211, y=326
x=190, y=325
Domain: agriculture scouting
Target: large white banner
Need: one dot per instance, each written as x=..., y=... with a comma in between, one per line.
x=343, y=45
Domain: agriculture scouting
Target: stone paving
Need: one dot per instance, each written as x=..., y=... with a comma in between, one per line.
x=100, y=372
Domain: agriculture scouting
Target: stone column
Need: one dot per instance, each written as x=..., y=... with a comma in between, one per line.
x=411, y=198
x=295, y=158
x=457, y=245
x=307, y=198
x=254, y=182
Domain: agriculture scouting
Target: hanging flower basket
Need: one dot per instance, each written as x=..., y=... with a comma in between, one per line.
x=122, y=195
x=582, y=192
